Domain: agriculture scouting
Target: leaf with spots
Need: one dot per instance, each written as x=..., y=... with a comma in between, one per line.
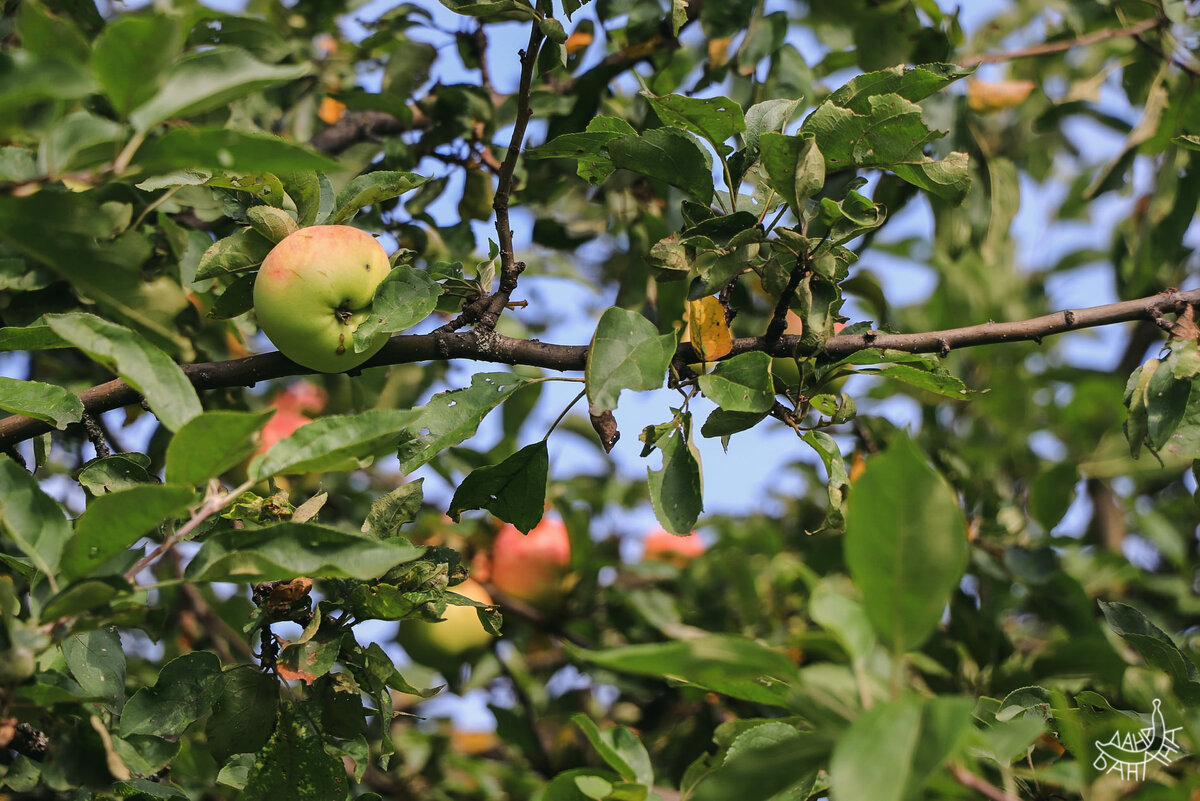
x=293, y=765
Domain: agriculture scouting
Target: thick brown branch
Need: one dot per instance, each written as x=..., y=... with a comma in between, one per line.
x=1050, y=48
x=489, y=346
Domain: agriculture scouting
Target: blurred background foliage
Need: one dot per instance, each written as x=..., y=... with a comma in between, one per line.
x=135, y=138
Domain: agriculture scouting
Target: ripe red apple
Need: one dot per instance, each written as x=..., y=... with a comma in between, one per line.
x=663, y=546
x=532, y=567
x=456, y=638
x=313, y=292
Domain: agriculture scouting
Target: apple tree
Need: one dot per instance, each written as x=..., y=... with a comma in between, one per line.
x=932, y=263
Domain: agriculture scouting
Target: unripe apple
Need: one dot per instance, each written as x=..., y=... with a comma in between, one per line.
x=449, y=643
x=313, y=292
x=663, y=546
x=532, y=567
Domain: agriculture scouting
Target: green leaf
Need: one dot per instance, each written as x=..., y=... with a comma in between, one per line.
x=41, y=401
x=675, y=490
x=183, y=692
x=1051, y=493
x=236, y=300
x=74, y=235
x=741, y=384
x=905, y=544
x=1158, y=649
x=274, y=224
x=130, y=55
x=211, y=443
x=369, y=189
x=795, y=167
x=208, y=79
x=116, y=472
x=514, y=490
x=949, y=179
x=837, y=480
x=494, y=10
x=627, y=352
x=668, y=155
x=97, y=661
x=574, y=145
x=937, y=380
x=768, y=116
x=766, y=764
x=226, y=149
x=724, y=424
x=398, y=508
x=404, y=298
x=87, y=596
x=113, y=522
x=38, y=336
x=906, y=739
x=874, y=121
x=293, y=764
x=242, y=250
x=452, y=417
x=733, y=666
x=79, y=140
x=910, y=83
x=31, y=518
x=1167, y=400
x=334, y=442
x=717, y=119
x=143, y=366
x=26, y=79
x=287, y=550
x=620, y=748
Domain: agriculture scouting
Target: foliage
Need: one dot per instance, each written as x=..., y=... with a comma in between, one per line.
x=949, y=607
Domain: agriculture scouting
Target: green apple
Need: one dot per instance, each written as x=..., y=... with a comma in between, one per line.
x=313, y=292
x=453, y=640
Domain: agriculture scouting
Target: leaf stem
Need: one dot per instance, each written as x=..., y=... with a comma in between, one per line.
x=563, y=414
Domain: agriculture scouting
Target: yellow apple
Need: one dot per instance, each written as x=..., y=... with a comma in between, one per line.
x=453, y=640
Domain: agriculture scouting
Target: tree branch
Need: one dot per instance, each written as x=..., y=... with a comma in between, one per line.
x=489, y=346
x=1051, y=48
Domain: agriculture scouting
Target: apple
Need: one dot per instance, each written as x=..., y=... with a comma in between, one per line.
x=301, y=396
x=313, y=292
x=454, y=639
x=663, y=546
x=532, y=567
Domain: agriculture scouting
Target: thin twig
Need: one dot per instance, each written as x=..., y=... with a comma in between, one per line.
x=213, y=503
x=500, y=349
x=980, y=785
x=1050, y=48
x=510, y=268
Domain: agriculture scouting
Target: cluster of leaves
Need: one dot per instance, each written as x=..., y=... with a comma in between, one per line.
x=913, y=624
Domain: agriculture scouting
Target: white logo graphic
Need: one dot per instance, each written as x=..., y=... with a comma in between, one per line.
x=1129, y=756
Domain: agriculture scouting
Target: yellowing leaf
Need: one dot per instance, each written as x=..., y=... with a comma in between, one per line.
x=718, y=51
x=331, y=110
x=987, y=96
x=707, y=327
x=578, y=41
